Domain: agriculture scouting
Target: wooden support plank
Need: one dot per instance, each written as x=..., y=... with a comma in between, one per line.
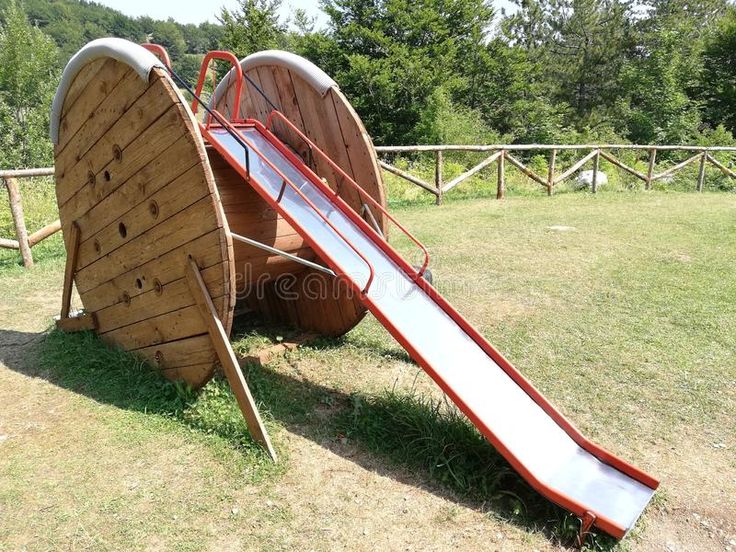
x=79, y=323
x=650, y=168
x=501, y=183
x=701, y=172
x=438, y=166
x=725, y=170
x=673, y=169
x=524, y=169
x=576, y=167
x=19, y=221
x=467, y=174
x=406, y=176
x=611, y=159
x=551, y=171
x=190, y=351
x=69, y=270
x=45, y=232
x=228, y=360
x=596, y=168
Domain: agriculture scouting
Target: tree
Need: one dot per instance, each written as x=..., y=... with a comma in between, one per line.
x=28, y=78
x=252, y=27
x=718, y=82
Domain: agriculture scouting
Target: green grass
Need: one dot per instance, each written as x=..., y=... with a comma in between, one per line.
x=625, y=321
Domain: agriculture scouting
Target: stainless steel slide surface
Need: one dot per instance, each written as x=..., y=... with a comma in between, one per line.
x=532, y=438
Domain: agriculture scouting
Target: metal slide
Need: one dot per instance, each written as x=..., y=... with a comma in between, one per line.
x=536, y=439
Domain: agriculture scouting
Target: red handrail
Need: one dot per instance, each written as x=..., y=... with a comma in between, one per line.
x=350, y=180
x=285, y=180
x=225, y=56
x=158, y=51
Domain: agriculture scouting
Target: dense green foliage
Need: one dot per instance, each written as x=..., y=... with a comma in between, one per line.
x=653, y=71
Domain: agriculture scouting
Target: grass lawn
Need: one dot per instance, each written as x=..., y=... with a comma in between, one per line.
x=620, y=308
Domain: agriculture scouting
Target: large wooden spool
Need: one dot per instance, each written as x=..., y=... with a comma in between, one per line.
x=313, y=102
x=135, y=177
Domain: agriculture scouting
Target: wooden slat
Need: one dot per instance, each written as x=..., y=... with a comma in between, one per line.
x=156, y=302
x=156, y=209
x=80, y=323
x=151, y=106
x=195, y=375
x=171, y=326
x=80, y=82
x=182, y=228
x=70, y=270
x=190, y=351
x=229, y=363
x=167, y=166
x=102, y=117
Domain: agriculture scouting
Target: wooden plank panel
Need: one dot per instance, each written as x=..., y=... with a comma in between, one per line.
x=206, y=250
x=171, y=326
x=151, y=106
x=190, y=351
x=360, y=151
x=173, y=296
x=290, y=108
x=99, y=116
x=88, y=106
x=182, y=228
x=162, y=205
x=136, y=156
x=80, y=82
x=152, y=177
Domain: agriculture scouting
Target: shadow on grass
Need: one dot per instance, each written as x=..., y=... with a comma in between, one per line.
x=397, y=434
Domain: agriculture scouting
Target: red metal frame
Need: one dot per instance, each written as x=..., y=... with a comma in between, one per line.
x=361, y=192
x=225, y=56
x=158, y=51
x=285, y=180
x=605, y=524
x=604, y=456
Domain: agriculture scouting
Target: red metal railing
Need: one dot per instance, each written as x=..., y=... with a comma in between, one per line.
x=286, y=181
x=160, y=52
x=225, y=56
x=361, y=192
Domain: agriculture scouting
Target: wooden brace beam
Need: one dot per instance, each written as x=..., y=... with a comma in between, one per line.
x=227, y=358
x=82, y=321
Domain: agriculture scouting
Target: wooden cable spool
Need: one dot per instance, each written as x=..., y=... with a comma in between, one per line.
x=145, y=194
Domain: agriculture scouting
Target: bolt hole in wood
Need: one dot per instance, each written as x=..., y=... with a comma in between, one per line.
x=98, y=247
x=91, y=178
x=153, y=209
x=123, y=230
x=117, y=153
x=139, y=283
x=159, y=358
x=126, y=298
x=158, y=287
x=107, y=176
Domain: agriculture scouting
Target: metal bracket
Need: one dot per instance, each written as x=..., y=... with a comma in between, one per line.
x=281, y=253
x=586, y=524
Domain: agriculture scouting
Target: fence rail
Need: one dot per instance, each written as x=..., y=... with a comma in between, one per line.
x=23, y=241
x=501, y=153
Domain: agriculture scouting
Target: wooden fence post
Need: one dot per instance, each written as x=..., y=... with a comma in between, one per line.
x=701, y=172
x=16, y=209
x=501, y=185
x=438, y=176
x=650, y=169
x=596, y=166
x=551, y=172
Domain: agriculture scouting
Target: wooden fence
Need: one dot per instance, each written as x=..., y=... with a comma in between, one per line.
x=502, y=154
x=499, y=154
x=23, y=241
